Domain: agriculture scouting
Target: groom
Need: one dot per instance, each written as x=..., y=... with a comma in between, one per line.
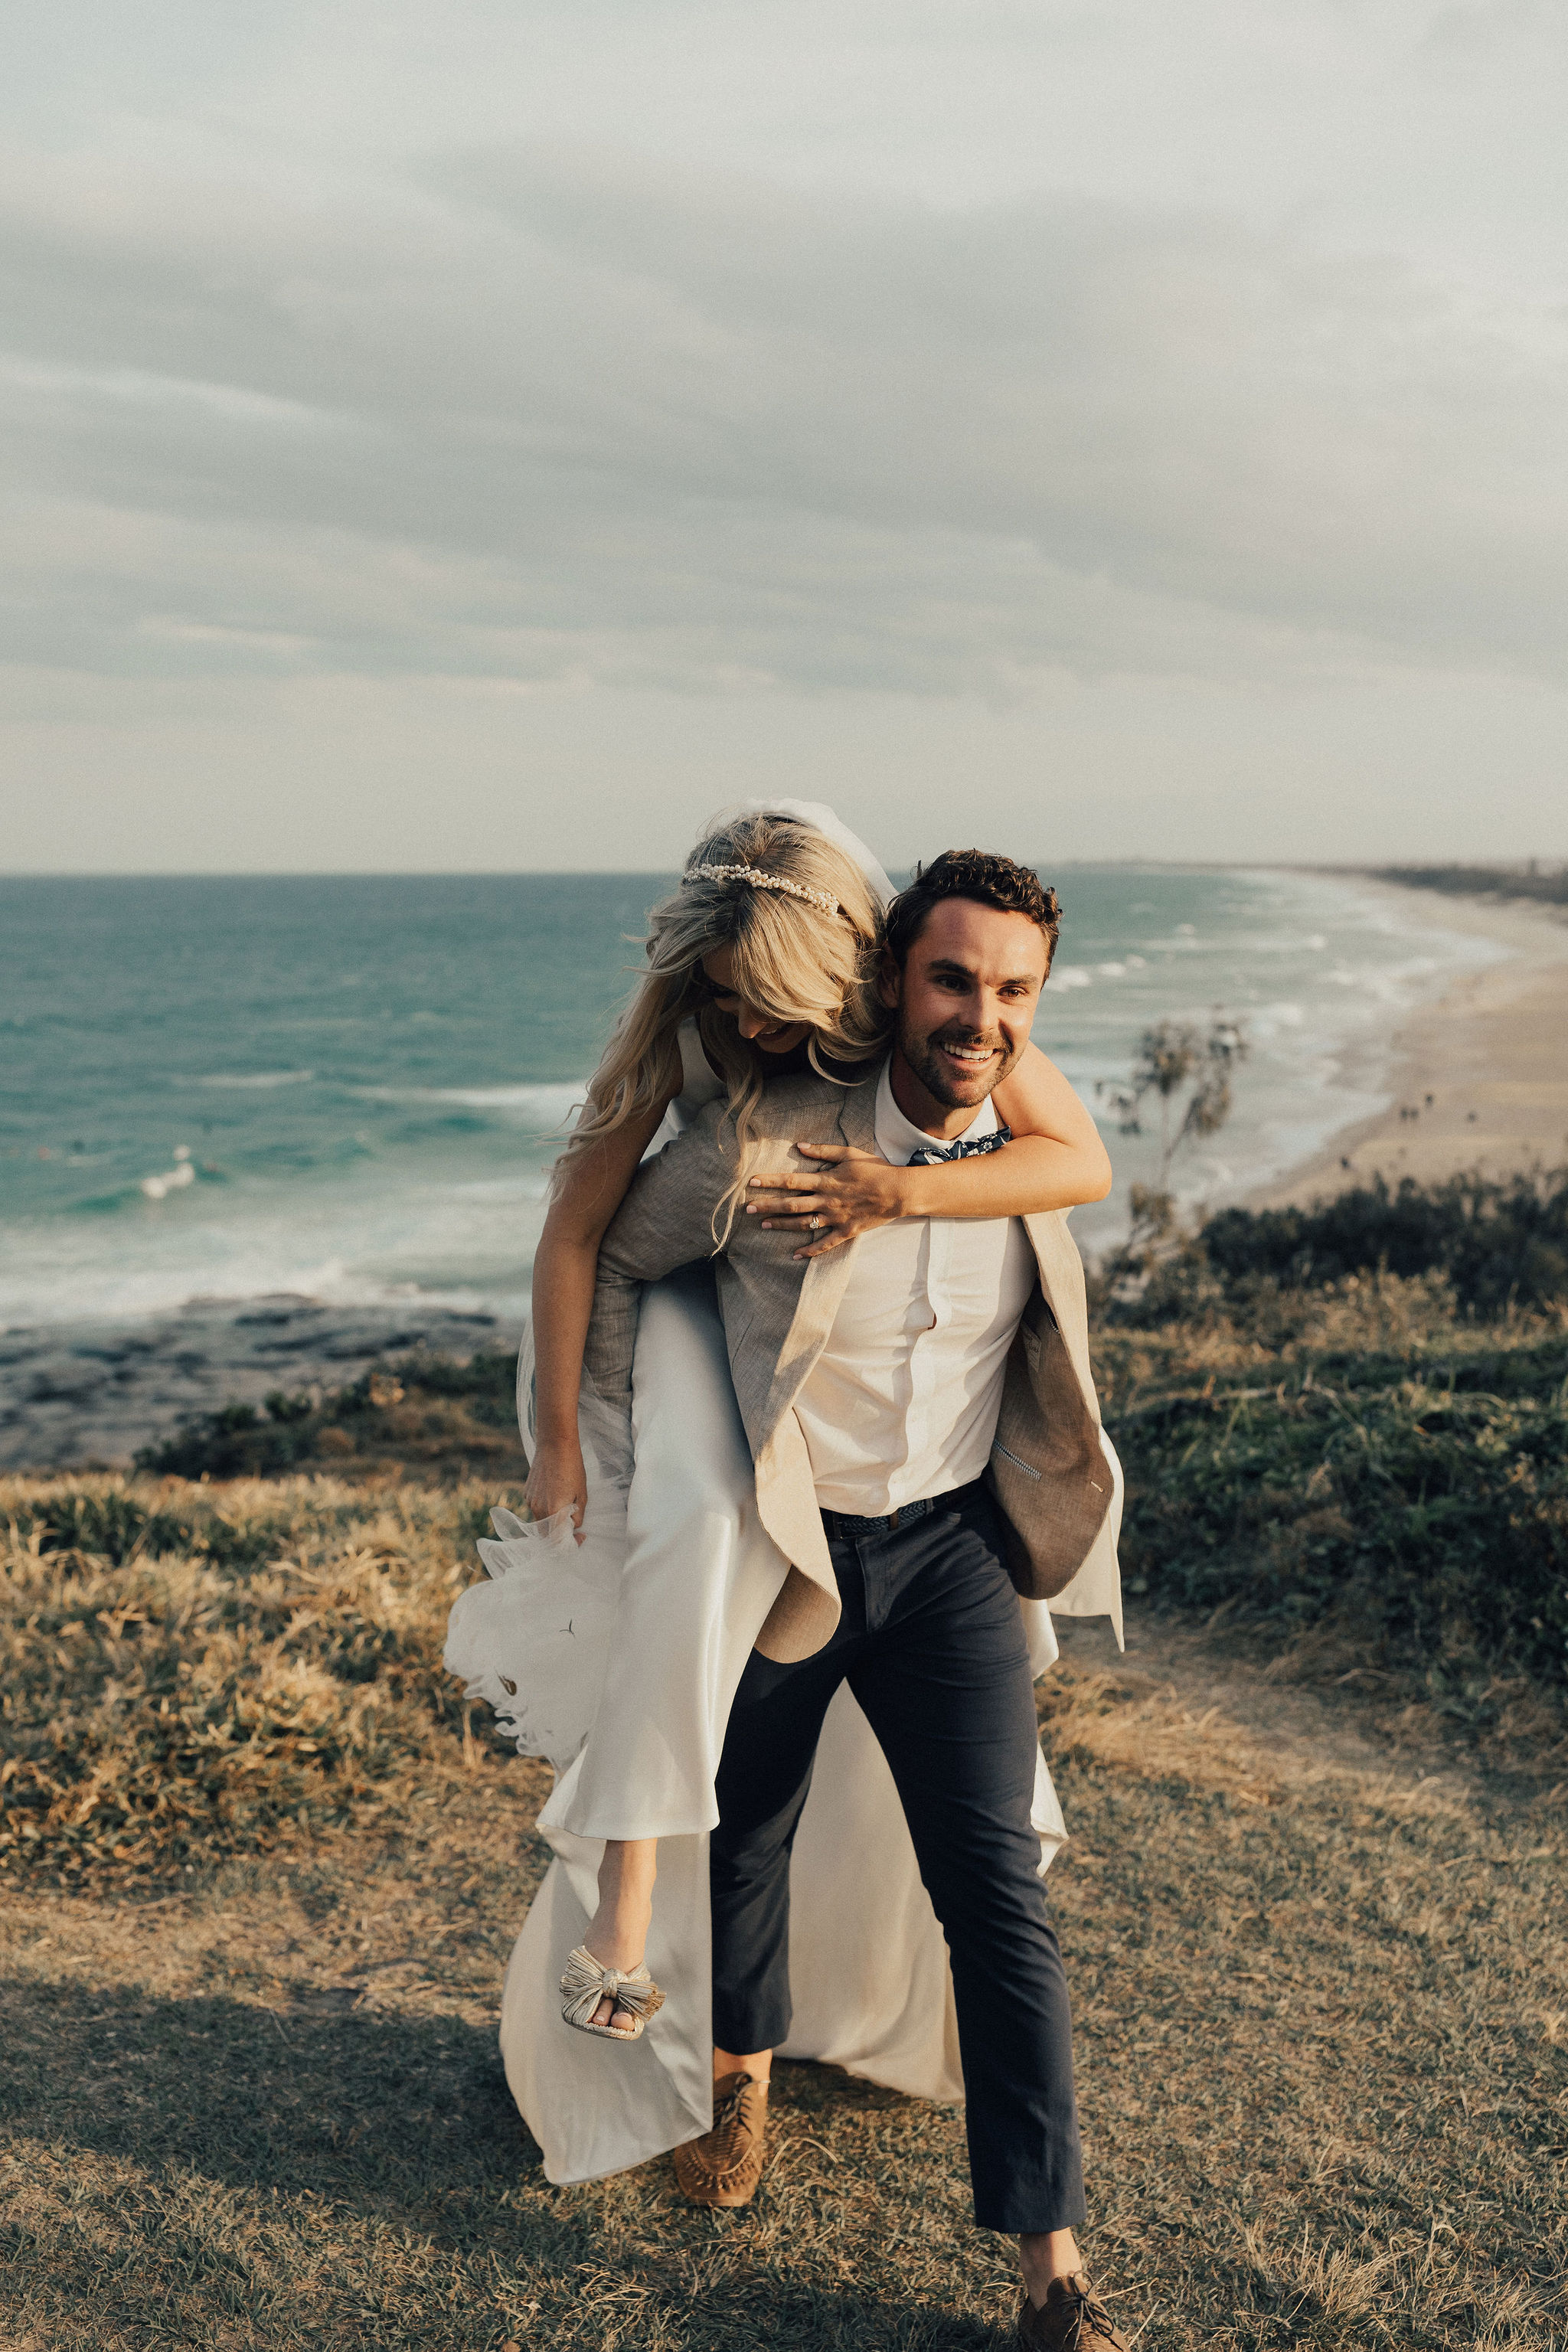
x=926, y=1438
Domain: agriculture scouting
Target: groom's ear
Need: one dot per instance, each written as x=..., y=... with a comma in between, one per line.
x=890, y=981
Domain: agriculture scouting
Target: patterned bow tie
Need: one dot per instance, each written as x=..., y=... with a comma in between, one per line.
x=964, y=1148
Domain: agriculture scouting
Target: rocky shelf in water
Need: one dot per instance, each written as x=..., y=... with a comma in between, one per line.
x=81, y=1393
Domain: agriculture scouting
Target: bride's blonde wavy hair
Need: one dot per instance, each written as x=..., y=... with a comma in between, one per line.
x=795, y=961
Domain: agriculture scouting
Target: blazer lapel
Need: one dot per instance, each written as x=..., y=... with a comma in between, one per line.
x=857, y=1118
x=1062, y=1283
x=823, y=1285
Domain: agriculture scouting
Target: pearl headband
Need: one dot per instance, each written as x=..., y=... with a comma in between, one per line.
x=761, y=881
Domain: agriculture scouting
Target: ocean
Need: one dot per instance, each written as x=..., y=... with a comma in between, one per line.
x=352, y=1088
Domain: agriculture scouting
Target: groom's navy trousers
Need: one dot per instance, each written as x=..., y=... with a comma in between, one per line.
x=931, y=1643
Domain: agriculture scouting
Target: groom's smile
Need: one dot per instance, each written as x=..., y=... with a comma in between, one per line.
x=966, y=1000
x=966, y=1059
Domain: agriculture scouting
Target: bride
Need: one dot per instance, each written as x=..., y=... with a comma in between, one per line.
x=616, y=1623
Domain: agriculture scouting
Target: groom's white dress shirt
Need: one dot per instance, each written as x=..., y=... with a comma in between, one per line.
x=902, y=1401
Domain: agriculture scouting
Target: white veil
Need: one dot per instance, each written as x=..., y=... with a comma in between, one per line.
x=817, y=814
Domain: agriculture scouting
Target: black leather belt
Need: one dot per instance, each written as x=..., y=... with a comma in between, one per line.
x=849, y=1524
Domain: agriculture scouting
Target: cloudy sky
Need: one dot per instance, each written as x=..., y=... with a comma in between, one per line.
x=491, y=436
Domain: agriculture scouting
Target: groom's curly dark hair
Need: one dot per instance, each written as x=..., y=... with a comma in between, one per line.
x=996, y=881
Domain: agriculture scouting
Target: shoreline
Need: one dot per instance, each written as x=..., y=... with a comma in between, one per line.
x=1478, y=1076
x=1478, y=1079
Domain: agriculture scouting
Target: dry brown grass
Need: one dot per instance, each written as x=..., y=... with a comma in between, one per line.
x=1323, y=2020
x=1133, y=1723
x=192, y=1672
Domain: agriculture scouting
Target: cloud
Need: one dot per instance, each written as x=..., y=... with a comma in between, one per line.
x=560, y=414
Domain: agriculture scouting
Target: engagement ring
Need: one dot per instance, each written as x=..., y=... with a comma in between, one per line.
x=814, y=1222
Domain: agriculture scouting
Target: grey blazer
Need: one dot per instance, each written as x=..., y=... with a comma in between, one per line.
x=1047, y=1469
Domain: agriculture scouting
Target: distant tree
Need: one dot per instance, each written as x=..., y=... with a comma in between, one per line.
x=1174, y=1058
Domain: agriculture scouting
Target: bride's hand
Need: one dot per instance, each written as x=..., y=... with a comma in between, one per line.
x=855, y=1191
x=558, y=1482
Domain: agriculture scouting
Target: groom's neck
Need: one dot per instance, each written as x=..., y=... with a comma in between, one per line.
x=922, y=1108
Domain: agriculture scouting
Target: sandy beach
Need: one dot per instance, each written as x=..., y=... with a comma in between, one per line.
x=1480, y=1077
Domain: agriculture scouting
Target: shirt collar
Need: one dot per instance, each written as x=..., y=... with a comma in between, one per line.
x=898, y=1137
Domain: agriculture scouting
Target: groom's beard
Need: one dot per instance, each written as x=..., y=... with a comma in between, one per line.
x=959, y=1065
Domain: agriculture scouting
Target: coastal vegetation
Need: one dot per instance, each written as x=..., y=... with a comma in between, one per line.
x=1347, y=1424
x=1344, y=1430
x=438, y=1418
x=262, y=1865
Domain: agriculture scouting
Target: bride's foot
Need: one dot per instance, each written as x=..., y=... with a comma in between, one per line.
x=584, y=1986
x=618, y=1932
x=617, y=1942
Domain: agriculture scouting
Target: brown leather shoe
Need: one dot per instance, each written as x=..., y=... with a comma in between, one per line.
x=725, y=2165
x=1073, y=2319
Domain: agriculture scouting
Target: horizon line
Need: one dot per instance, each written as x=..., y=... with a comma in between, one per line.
x=1517, y=868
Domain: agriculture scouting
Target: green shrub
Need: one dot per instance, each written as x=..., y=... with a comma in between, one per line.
x=1319, y=1423
x=1499, y=1241
x=1426, y=1512
x=238, y=1442
x=426, y=1409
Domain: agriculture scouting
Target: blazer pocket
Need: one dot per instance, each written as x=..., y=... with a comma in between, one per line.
x=1016, y=1460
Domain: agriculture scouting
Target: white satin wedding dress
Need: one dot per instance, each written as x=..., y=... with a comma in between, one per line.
x=617, y=1660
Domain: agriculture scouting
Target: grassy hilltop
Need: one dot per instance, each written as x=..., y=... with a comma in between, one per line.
x=263, y=1869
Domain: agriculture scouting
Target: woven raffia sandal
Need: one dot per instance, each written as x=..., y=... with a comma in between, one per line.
x=586, y=1984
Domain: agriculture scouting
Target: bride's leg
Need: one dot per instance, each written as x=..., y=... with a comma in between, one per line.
x=699, y=1578
x=618, y=1929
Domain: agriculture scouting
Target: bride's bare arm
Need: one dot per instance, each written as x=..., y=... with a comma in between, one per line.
x=1055, y=1161
x=590, y=1189
x=1060, y=1149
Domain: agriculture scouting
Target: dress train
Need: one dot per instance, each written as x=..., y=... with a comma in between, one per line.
x=617, y=1659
